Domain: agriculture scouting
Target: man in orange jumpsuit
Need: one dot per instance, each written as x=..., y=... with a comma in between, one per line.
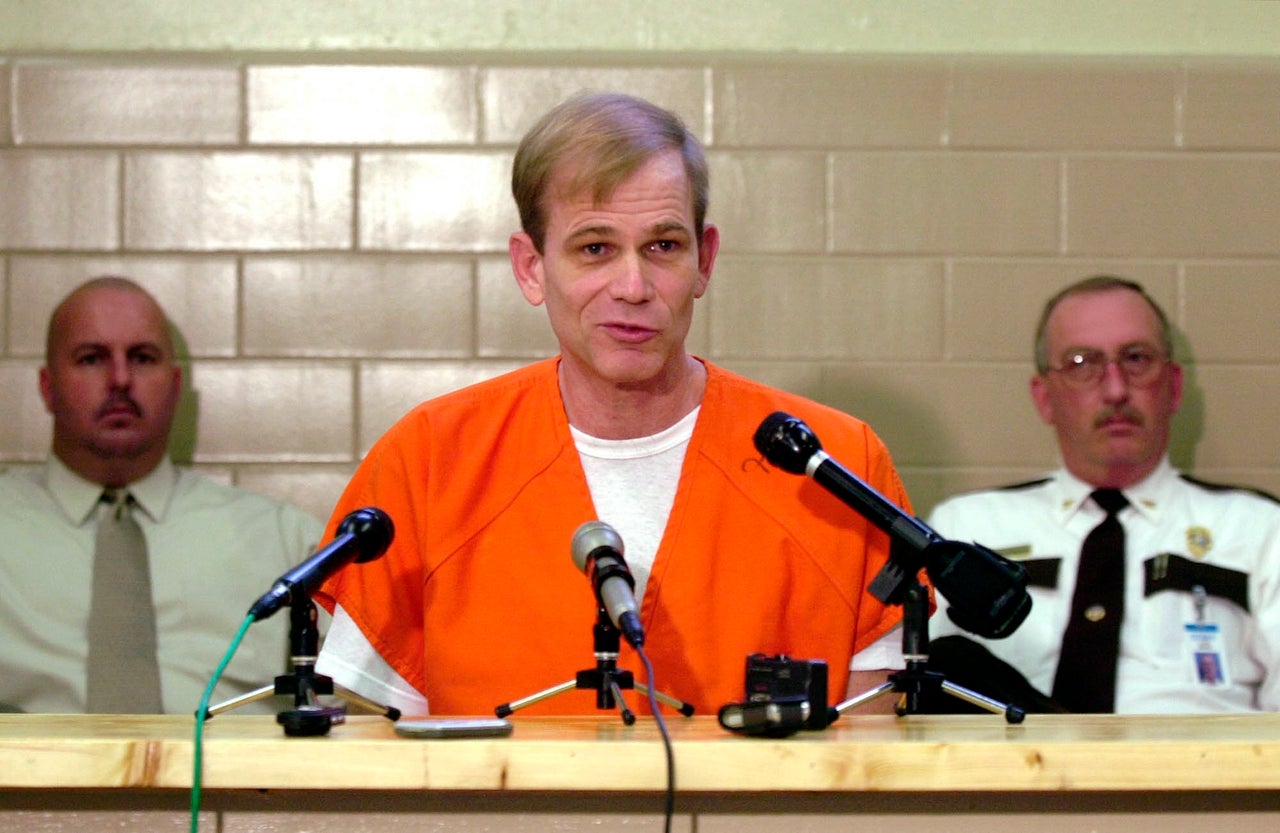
x=477, y=602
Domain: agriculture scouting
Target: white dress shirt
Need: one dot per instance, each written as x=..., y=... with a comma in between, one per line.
x=213, y=549
x=1179, y=534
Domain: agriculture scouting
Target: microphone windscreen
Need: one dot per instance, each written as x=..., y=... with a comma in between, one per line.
x=592, y=536
x=373, y=531
x=786, y=442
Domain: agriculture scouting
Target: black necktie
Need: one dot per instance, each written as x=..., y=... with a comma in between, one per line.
x=1086, y=678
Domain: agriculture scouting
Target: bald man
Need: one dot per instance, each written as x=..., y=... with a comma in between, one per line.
x=111, y=384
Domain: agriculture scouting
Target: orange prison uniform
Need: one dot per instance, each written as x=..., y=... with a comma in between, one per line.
x=478, y=602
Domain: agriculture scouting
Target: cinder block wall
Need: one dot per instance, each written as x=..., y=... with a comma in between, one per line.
x=330, y=238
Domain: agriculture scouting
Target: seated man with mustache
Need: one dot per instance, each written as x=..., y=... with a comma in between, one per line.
x=1140, y=575
x=122, y=577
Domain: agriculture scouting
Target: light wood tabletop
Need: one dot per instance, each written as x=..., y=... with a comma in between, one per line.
x=857, y=753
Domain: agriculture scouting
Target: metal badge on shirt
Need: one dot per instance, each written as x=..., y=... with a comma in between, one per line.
x=1199, y=541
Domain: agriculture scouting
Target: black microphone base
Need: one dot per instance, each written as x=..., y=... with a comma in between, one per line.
x=917, y=682
x=605, y=679
x=309, y=722
x=303, y=689
x=913, y=683
x=308, y=717
x=608, y=686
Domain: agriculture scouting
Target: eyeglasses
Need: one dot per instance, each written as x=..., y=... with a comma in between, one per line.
x=1083, y=368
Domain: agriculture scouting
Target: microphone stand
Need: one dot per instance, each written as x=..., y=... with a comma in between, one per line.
x=917, y=679
x=605, y=678
x=984, y=581
x=308, y=716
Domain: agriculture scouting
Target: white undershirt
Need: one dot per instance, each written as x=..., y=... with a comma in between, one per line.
x=633, y=486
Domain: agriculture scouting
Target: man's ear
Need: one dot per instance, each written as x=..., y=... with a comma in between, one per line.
x=46, y=388
x=1040, y=396
x=526, y=265
x=708, y=248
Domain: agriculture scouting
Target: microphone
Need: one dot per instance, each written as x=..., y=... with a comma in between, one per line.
x=987, y=592
x=790, y=445
x=362, y=536
x=597, y=550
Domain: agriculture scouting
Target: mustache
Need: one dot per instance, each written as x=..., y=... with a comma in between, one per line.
x=119, y=400
x=1124, y=412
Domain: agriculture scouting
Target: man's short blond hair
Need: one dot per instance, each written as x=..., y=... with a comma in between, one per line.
x=598, y=140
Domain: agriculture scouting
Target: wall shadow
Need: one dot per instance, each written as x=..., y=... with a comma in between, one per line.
x=1188, y=425
x=186, y=419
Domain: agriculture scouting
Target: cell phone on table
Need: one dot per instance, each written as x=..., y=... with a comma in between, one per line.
x=454, y=727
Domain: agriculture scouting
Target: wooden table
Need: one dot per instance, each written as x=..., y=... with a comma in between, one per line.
x=1123, y=773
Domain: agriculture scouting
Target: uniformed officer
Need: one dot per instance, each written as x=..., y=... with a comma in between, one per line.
x=1152, y=591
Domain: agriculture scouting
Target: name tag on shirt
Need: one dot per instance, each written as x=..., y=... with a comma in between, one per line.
x=1205, y=657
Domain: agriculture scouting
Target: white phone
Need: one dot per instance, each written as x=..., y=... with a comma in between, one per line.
x=454, y=727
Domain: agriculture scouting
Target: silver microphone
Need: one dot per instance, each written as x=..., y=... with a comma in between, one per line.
x=597, y=550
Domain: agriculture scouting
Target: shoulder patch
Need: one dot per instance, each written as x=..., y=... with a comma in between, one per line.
x=1014, y=487
x=1225, y=487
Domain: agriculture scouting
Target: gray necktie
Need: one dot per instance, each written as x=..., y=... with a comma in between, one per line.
x=123, y=675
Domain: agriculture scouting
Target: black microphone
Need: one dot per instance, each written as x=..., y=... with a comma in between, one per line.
x=987, y=592
x=362, y=536
x=597, y=550
x=790, y=445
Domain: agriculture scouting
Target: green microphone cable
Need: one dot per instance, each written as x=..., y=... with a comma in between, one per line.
x=197, y=751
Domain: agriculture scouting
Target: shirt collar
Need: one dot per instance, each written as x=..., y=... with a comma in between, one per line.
x=1146, y=497
x=78, y=498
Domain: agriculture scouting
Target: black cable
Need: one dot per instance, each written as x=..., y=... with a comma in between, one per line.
x=651, y=691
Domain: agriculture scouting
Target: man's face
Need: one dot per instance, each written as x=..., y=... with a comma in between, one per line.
x=110, y=382
x=619, y=278
x=1111, y=433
